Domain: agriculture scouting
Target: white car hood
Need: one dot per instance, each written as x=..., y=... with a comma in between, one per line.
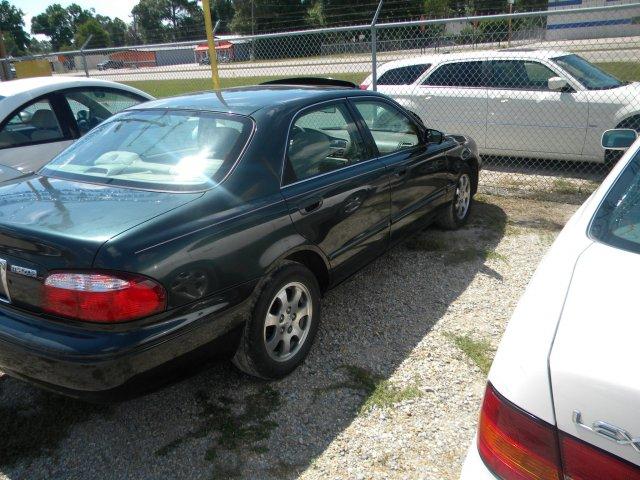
x=594, y=355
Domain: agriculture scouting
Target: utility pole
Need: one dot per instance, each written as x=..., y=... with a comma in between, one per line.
x=510, y=12
x=374, y=47
x=5, y=71
x=253, y=25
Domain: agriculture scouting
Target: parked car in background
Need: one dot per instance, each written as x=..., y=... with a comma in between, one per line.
x=106, y=65
x=562, y=396
x=516, y=102
x=184, y=219
x=39, y=117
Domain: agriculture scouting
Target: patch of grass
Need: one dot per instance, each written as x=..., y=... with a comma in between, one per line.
x=30, y=430
x=167, y=88
x=479, y=351
x=233, y=425
x=493, y=255
x=560, y=185
x=380, y=393
x=626, y=71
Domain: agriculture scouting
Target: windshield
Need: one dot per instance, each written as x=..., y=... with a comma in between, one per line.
x=587, y=73
x=617, y=221
x=159, y=149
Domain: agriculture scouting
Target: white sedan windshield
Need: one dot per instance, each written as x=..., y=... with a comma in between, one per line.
x=177, y=150
x=587, y=73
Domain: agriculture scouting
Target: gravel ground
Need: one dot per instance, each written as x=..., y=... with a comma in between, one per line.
x=391, y=389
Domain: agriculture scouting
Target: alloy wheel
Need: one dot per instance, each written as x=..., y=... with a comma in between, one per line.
x=288, y=321
x=463, y=196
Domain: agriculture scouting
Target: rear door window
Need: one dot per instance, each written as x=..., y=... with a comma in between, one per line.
x=34, y=123
x=459, y=74
x=403, y=75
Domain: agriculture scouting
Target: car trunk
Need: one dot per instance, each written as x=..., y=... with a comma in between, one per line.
x=592, y=362
x=51, y=224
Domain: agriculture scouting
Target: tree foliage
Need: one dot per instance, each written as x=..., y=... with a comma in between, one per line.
x=155, y=21
x=93, y=32
x=11, y=23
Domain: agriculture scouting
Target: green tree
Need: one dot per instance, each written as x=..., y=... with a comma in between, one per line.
x=11, y=23
x=94, y=30
x=316, y=16
x=56, y=23
x=116, y=29
x=79, y=15
x=149, y=15
x=268, y=16
x=437, y=8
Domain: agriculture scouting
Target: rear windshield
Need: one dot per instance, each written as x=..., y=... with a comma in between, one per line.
x=158, y=149
x=617, y=221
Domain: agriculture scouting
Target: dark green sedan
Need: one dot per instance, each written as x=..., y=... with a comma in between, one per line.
x=211, y=220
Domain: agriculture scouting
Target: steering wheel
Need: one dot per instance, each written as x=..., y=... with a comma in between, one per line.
x=82, y=118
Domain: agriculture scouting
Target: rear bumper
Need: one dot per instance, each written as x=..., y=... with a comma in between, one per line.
x=474, y=468
x=93, y=364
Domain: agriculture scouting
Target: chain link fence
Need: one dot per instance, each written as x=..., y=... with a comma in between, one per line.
x=536, y=90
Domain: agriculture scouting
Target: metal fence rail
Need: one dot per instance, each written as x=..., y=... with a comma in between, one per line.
x=536, y=90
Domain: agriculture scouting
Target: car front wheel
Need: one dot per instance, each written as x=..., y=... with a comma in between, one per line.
x=284, y=322
x=457, y=212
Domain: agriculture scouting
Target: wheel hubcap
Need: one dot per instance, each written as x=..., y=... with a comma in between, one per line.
x=288, y=321
x=463, y=196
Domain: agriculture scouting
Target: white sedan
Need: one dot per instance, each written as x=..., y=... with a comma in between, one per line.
x=516, y=102
x=39, y=117
x=562, y=395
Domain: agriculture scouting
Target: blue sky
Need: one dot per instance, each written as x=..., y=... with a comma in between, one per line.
x=112, y=8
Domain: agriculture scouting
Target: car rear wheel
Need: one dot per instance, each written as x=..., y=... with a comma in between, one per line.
x=284, y=322
x=457, y=212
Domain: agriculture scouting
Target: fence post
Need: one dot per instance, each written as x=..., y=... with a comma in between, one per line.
x=84, y=59
x=374, y=48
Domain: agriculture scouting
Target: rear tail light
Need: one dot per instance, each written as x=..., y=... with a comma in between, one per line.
x=364, y=86
x=582, y=461
x=516, y=445
x=102, y=297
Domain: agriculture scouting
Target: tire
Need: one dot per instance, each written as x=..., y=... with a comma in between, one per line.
x=276, y=322
x=457, y=212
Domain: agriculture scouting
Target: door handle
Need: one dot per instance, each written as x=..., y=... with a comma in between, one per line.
x=352, y=205
x=310, y=205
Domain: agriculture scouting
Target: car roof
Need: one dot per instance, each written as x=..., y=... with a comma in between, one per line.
x=507, y=53
x=42, y=85
x=248, y=100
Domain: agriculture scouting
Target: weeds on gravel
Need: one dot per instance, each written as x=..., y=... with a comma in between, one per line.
x=233, y=425
x=32, y=429
x=380, y=393
x=479, y=351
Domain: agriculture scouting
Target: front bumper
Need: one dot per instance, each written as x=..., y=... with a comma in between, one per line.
x=94, y=363
x=474, y=468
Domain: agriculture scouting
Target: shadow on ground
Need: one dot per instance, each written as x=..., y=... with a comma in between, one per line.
x=222, y=424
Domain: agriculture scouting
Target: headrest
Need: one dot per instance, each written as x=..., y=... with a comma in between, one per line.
x=44, y=118
x=218, y=140
x=117, y=157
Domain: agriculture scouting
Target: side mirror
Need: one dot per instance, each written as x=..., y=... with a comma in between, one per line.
x=434, y=136
x=618, y=138
x=557, y=84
